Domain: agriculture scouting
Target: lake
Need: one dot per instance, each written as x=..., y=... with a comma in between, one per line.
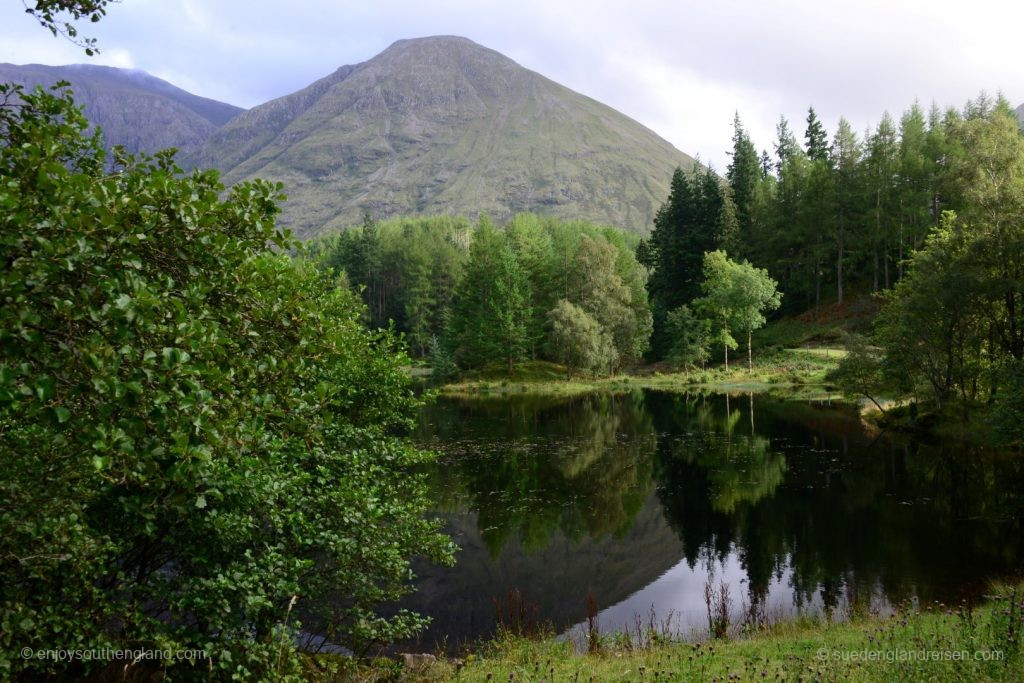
x=633, y=502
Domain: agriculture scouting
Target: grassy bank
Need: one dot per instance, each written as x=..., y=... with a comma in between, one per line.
x=954, y=421
x=933, y=643
x=778, y=368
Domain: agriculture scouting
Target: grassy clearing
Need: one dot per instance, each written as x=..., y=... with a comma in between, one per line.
x=824, y=327
x=937, y=643
x=791, y=367
x=788, y=353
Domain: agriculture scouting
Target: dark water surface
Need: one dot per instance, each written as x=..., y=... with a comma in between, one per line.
x=636, y=499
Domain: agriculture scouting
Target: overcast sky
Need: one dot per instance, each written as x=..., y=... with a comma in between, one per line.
x=680, y=67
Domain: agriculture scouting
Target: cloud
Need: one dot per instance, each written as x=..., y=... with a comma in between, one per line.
x=681, y=67
x=119, y=58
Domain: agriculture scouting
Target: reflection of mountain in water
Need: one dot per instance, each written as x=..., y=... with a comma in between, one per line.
x=556, y=577
x=606, y=493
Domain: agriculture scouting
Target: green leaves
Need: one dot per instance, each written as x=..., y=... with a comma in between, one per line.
x=44, y=388
x=578, y=341
x=186, y=416
x=736, y=297
x=172, y=357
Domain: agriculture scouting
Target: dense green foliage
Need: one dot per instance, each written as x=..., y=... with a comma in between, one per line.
x=497, y=296
x=698, y=295
x=952, y=328
x=845, y=215
x=196, y=433
x=693, y=221
x=928, y=210
x=691, y=338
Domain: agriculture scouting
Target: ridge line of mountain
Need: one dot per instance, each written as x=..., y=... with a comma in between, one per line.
x=429, y=125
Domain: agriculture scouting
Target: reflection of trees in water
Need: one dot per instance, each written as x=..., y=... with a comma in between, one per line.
x=741, y=468
x=794, y=489
x=529, y=466
x=909, y=519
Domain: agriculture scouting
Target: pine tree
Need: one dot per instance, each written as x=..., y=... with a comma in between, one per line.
x=686, y=226
x=786, y=245
x=473, y=327
x=743, y=174
x=730, y=236
x=913, y=184
x=785, y=144
x=418, y=301
x=816, y=137
x=766, y=164
x=510, y=310
x=846, y=154
x=881, y=171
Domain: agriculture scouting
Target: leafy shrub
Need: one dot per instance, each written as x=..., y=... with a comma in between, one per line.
x=578, y=341
x=197, y=433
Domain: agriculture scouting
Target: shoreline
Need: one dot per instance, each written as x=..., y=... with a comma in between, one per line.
x=786, y=370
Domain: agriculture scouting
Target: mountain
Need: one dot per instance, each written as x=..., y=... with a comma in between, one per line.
x=443, y=125
x=136, y=110
x=1020, y=113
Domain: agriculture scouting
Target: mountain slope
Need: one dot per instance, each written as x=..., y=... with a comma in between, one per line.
x=136, y=110
x=443, y=125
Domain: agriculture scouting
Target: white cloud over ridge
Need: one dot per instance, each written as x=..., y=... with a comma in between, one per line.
x=681, y=68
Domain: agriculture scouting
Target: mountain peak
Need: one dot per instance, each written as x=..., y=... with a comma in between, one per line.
x=444, y=125
x=436, y=41
x=454, y=45
x=133, y=108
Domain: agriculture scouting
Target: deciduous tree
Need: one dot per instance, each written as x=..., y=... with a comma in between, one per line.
x=196, y=431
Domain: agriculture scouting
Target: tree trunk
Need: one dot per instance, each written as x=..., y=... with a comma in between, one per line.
x=750, y=356
x=878, y=232
x=1016, y=346
x=885, y=262
x=839, y=269
x=899, y=263
x=817, y=284
x=725, y=326
x=874, y=285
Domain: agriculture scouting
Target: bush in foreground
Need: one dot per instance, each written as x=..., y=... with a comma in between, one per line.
x=196, y=434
